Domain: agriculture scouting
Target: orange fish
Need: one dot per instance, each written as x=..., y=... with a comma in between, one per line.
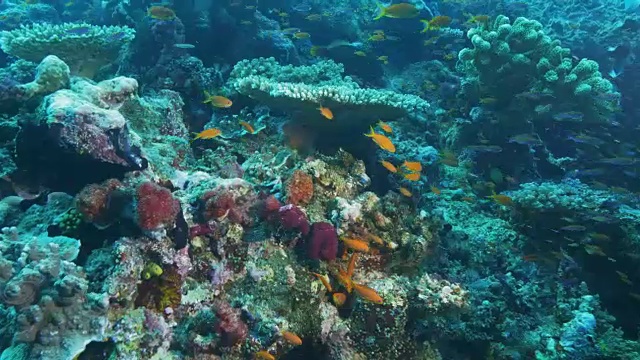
x=412, y=165
x=412, y=176
x=216, y=101
x=368, y=293
x=324, y=282
x=292, y=338
x=405, y=192
x=326, y=112
x=502, y=199
x=356, y=245
x=376, y=239
x=389, y=166
x=382, y=141
x=247, y=127
x=344, y=280
x=385, y=127
x=206, y=134
x=435, y=190
x=352, y=264
x=339, y=298
x=264, y=355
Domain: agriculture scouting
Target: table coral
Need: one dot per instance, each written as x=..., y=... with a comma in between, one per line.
x=84, y=47
x=305, y=88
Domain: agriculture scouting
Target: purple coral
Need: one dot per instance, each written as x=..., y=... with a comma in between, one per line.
x=229, y=325
x=323, y=242
x=293, y=218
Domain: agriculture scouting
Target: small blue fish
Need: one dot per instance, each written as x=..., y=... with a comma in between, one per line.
x=82, y=30
x=586, y=139
x=576, y=228
x=535, y=95
x=568, y=116
x=302, y=7
x=526, y=139
x=484, y=148
x=619, y=161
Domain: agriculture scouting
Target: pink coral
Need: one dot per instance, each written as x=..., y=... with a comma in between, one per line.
x=229, y=325
x=293, y=218
x=323, y=243
x=156, y=206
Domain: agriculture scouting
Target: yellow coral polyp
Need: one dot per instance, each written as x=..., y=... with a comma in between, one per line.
x=151, y=270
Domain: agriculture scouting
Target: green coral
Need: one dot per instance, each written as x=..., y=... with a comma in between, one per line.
x=514, y=58
x=84, y=47
x=69, y=221
x=304, y=88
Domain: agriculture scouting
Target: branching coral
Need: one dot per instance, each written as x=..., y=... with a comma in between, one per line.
x=519, y=59
x=84, y=47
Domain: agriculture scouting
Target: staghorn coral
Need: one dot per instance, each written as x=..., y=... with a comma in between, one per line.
x=304, y=88
x=84, y=47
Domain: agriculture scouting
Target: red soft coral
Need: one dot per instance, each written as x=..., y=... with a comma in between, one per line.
x=156, y=206
x=238, y=207
x=300, y=188
x=93, y=201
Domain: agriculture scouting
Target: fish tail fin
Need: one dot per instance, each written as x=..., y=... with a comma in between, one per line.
x=426, y=26
x=207, y=97
x=382, y=13
x=370, y=134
